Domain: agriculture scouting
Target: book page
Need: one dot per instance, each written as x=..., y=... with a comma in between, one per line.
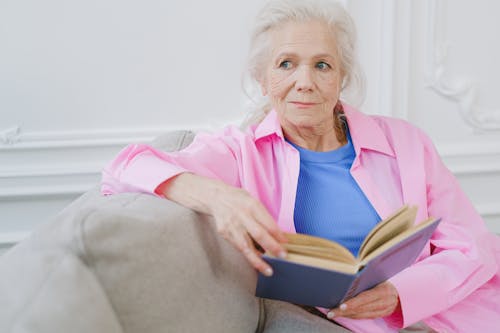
x=332, y=253
x=318, y=247
x=323, y=263
x=397, y=239
x=395, y=224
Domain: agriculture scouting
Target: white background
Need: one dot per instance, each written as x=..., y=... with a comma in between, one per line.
x=81, y=79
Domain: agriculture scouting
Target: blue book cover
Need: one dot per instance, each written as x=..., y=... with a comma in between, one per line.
x=316, y=284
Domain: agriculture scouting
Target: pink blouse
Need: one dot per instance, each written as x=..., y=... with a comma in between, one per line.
x=454, y=286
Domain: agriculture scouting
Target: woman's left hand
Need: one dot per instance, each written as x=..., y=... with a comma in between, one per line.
x=380, y=301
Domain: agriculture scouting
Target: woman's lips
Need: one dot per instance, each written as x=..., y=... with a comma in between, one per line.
x=303, y=105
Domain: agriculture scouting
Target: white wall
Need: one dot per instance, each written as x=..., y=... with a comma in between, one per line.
x=79, y=80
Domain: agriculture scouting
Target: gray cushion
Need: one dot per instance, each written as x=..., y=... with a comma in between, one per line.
x=175, y=140
x=130, y=262
x=127, y=263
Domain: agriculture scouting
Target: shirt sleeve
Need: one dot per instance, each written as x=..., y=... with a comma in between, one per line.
x=142, y=168
x=461, y=250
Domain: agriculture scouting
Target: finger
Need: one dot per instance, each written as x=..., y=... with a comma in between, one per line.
x=240, y=239
x=379, y=298
x=380, y=307
x=376, y=309
x=264, y=238
x=375, y=294
x=358, y=314
x=265, y=219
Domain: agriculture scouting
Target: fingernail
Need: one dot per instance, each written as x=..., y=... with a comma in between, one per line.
x=343, y=306
x=268, y=272
x=330, y=315
x=282, y=255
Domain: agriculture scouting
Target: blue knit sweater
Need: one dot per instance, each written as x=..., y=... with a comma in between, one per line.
x=329, y=202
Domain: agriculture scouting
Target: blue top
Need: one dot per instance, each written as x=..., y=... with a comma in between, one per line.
x=329, y=202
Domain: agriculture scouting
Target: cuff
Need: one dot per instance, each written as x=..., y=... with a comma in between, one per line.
x=148, y=173
x=417, y=297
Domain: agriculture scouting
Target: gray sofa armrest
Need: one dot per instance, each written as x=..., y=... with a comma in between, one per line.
x=174, y=140
x=46, y=285
x=127, y=263
x=130, y=262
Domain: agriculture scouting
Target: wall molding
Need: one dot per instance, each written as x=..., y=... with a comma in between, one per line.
x=10, y=135
x=16, y=138
x=386, y=58
x=451, y=86
x=64, y=163
x=471, y=158
x=53, y=182
x=394, y=68
x=46, y=192
x=58, y=164
x=471, y=169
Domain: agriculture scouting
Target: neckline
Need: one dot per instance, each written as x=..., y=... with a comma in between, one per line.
x=344, y=152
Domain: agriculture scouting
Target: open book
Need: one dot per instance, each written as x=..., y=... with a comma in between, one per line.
x=320, y=272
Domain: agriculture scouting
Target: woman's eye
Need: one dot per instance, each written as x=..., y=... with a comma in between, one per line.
x=322, y=66
x=285, y=64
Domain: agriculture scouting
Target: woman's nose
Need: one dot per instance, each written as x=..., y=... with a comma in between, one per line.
x=304, y=80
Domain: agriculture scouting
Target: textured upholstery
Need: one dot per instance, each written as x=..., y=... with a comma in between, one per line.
x=135, y=263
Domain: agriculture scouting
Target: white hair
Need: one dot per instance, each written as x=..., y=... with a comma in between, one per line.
x=278, y=12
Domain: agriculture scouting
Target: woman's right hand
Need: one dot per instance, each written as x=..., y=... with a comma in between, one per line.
x=239, y=218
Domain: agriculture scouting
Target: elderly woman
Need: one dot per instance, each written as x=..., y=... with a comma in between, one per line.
x=312, y=164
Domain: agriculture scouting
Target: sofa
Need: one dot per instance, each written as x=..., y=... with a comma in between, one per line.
x=136, y=263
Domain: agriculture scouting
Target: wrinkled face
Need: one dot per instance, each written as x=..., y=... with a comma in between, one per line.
x=303, y=77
